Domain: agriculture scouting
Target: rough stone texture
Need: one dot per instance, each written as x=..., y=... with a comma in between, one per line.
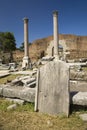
x=28, y=81
x=79, y=98
x=25, y=81
x=9, y=91
x=75, y=75
x=83, y=117
x=53, y=88
x=76, y=85
x=4, y=75
x=24, y=93
x=27, y=94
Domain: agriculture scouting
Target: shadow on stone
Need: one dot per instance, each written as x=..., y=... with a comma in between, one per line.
x=77, y=108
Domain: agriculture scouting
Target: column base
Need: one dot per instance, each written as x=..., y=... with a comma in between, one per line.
x=56, y=57
x=25, y=63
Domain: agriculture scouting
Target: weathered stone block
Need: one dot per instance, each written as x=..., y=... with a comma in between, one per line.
x=24, y=93
x=9, y=91
x=83, y=116
x=79, y=98
x=76, y=85
x=52, y=94
x=27, y=94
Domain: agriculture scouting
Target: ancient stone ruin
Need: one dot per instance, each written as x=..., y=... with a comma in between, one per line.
x=52, y=84
x=53, y=88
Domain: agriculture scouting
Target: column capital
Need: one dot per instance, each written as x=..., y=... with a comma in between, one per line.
x=55, y=13
x=25, y=19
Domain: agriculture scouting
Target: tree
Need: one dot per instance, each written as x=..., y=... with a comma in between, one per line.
x=7, y=43
x=1, y=41
x=21, y=48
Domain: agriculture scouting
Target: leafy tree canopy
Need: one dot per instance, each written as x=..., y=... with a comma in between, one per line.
x=7, y=42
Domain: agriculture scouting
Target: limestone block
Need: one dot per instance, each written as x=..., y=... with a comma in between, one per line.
x=77, y=85
x=79, y=98
x=27, y=81
x=78, y=75
x=52, y=94
x=24, y=93
x=10, y=92
x=4, y=75
x=27, y=94
x=83, y=116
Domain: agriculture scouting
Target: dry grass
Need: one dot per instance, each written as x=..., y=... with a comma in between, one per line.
x=24, y=118
x=35, y=121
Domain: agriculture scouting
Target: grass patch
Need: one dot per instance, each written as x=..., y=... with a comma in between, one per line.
x=26, y=107
x=24, y=118
x=84, y=68
x=4, y=104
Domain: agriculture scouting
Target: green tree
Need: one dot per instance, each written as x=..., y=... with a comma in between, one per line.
x=21, y=48
x=1, y=41
x=7, y=43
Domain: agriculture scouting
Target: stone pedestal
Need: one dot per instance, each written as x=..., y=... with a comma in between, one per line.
x=52, y=93
x=25, y=62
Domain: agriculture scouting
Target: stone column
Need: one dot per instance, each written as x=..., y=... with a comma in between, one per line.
x=55, y=34
x=26, y=48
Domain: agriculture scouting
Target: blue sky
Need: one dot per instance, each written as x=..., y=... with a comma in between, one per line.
x=72, y=17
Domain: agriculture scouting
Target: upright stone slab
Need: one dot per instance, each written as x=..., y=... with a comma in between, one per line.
x=52, y=95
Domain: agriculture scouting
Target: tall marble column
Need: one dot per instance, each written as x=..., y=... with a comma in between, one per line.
x=26, y=48
x=55, y=34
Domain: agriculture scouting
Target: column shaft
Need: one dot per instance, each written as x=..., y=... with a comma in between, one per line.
x=26, y=49
x=55, y=34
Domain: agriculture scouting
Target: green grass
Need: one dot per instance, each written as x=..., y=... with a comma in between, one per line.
x=4, y=104
x=26, y=107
